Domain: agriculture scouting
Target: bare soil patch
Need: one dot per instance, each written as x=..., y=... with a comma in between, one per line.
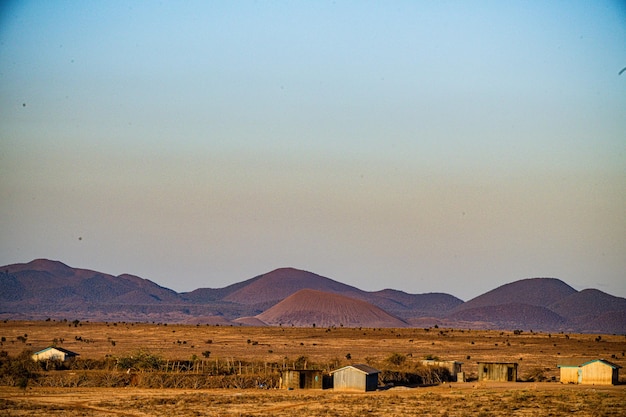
x=449, y=400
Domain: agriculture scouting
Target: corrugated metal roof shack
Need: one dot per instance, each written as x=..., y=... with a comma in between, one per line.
x=593, y=372
x=497, y=371
x=355, y=378
x=303, y=379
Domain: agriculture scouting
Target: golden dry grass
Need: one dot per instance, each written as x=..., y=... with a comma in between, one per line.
x=284, y=345
x=278, y=345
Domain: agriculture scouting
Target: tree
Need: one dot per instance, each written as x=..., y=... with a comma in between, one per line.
x=301, y=362
x=140, y=360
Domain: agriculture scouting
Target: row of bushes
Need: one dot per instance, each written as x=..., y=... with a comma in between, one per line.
x=143, y=369
x=116, y=379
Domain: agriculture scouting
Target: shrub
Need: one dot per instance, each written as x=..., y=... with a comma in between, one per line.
x=430, y=375
x=396, y=359
x=535, y=375
x=17, y=371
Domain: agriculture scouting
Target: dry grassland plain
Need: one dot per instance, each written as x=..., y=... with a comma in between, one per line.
x=326, y=348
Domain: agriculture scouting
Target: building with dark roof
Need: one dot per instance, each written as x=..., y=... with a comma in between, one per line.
x=53, y=353
x=355, y=378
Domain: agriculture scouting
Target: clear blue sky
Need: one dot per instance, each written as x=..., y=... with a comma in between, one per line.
x=417, y=145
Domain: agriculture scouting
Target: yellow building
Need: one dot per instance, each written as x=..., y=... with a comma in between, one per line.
x=592, y=372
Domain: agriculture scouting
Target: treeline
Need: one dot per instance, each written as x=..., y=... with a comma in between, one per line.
x=146, y=370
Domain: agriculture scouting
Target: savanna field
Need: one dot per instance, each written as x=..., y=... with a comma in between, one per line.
x=148, y=369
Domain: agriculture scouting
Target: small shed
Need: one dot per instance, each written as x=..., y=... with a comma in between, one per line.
x=497, y=371
x=355, y=378
x=53, y=353
x=593, y=372
x=302, y=379
x=454, y=367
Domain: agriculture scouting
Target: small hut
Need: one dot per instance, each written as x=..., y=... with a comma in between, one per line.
x=355, y=378
x=53, y=353
x=453, y=367
x=497, y=371
x=302, y=379
x=593, y=372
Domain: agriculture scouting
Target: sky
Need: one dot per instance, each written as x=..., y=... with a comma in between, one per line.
x=425, y=146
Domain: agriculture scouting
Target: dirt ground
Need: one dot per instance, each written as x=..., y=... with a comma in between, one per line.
x=458, y=399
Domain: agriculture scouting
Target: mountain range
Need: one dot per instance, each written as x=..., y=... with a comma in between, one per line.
x=44, y=289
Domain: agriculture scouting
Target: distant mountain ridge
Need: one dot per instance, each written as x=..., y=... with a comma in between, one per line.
x=49, y=281
x=540, y=292
x=266, y=290
x=44, y=288
x=546, y=304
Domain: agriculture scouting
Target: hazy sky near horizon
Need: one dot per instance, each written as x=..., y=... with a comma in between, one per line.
x=423, y=146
